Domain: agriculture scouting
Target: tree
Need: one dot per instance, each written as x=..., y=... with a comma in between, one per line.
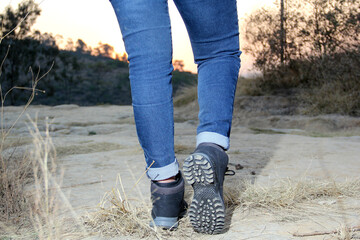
x=123, y=57
x=69, y=45
x=178, y=65
x=104, y=50
x=334, y=25
x=24, y=17
x=81, y=47
x=22, y=50
x=282, y=31
x=312, y=27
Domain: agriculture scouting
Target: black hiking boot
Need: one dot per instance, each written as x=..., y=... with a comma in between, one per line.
x=168, y=203
x=205, y=170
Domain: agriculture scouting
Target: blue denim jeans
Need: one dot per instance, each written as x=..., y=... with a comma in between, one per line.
x=212, y=26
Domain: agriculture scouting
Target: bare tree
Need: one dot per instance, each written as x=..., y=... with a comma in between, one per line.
x=17, y=23
x=312, y=27
x=104, y=50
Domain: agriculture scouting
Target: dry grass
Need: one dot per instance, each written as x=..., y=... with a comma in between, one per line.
x=87, y=148
x=334, y=97
x=14, y=142
x=287, y=194
x=29, y=183
x=39, y=206
x=323, y=85
x=30, y=191
x=118, y=215
x=14, y=172
x=250, y=86
x=47, y=202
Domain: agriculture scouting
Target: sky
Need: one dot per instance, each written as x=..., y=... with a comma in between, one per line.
x=94, y=21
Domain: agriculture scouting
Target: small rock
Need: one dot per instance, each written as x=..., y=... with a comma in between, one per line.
x=239, y=166
x=327, y=202
x=66, y=106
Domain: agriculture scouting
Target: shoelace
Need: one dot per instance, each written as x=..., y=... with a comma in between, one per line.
x=229, y=172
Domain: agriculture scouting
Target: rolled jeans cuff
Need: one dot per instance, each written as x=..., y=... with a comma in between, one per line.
x=165, y=172
x=213, y=137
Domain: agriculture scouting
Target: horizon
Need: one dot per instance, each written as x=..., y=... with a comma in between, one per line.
x=104, y=27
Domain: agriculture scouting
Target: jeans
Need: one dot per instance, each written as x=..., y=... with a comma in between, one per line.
x=212, y=26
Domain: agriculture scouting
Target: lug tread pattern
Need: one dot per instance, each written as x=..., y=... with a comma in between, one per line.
x=207, y=210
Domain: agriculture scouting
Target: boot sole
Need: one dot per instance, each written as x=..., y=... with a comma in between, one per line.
x=207, y=210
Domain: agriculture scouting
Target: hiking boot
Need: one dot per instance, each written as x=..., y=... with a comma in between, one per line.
x=205, y=170
x=168, y=203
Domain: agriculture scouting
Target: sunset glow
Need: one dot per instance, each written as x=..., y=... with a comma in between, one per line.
x=94, y=21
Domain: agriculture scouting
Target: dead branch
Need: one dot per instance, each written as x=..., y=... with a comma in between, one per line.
x=317, y=233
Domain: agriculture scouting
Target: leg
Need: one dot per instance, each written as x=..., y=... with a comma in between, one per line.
x=145, y=27
x=213, y=31
x=214, y=36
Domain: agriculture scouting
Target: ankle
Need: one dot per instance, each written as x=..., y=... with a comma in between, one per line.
x=168, y=180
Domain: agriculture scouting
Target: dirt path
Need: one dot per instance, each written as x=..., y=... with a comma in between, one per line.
x=95, y=144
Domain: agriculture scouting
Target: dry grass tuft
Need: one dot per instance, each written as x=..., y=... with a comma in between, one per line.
x=18, y=173
x=328, y=84
x=15, y=173
x=287, y=194
x=46, y=199
x=14, y=142
x=118, y=215
x=87, y=148
x=334, y=97
x=30, y=187
x=250, y=86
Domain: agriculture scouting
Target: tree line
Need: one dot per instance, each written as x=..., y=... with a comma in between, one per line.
x=79, y=74
x=312, y=47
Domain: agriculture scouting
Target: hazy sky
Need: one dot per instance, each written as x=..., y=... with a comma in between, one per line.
x=94, y=21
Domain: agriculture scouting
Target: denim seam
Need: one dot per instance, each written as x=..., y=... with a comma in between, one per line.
x=144, y=30
x=217, y=39
x=152, y=104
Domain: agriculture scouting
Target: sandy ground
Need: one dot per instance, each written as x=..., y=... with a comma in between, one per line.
x=96, y=144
